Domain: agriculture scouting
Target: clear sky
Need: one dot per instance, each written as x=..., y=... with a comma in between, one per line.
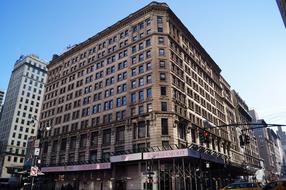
x=247, y=39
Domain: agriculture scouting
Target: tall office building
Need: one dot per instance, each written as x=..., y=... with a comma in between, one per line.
x=271, y=151
x=282, y=7
x=1, y=98
x=22, y=102
x=128, y=106
x=251, y=157
x=1, y=102
x=282, y=136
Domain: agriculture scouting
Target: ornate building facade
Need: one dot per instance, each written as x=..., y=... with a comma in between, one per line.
x=128, y=107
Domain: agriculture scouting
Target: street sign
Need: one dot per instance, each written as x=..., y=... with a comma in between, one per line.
x=37, y=152
x=34, y=171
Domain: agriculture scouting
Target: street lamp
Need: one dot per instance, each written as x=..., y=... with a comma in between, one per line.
x=35, y=154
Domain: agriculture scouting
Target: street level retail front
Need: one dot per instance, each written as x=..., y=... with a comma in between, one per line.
x=159, y=170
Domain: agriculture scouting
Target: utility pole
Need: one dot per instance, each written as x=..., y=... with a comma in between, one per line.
x=36, y=151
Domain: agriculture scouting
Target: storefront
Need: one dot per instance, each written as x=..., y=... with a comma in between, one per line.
x=160, y=170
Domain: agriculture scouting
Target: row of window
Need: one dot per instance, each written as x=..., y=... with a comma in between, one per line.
x=21, y=129
x=140, y=69
x=25, y=108
x=140, y=95
x=24, y=144
x=140, y=81
x=104, y=44
x=33, y=69
x=37, y=78
x=140, y=57
x=140, y=46
x=15, y=159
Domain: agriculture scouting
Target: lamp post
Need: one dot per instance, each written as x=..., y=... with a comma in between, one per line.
x=36, y=149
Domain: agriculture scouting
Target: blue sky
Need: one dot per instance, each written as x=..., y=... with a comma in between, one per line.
x=247, y=39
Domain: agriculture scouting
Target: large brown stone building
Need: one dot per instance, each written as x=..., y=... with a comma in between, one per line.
x=133, y=99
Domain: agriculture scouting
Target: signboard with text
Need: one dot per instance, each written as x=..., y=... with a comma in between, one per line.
x=84, y=167
x=126, y=157
x=166, y=154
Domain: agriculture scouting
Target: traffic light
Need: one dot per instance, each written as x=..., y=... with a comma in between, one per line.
x=205, y=137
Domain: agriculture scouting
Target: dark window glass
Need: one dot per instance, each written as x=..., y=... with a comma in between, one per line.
x=106, y=137
x=164, y=126
x=163, y=90
x=163, y=106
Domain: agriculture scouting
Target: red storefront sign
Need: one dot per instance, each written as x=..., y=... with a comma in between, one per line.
x=166, y=154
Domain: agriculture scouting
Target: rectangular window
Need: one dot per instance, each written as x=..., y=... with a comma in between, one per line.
x=141, y=46
x=133, y=72
x=149, y=79
x=162, y=76
x=141, y=82
x=162, y=64
x=166, y=144
x=161, y=52
x=149, y=107
x=120, y=135
x=134, y=49
x=149, y=92
x=164, y=126
x=141, y=57
x=124, y=100
x=193, y=133
x=105, y=154
x=118, y=116
x=159, y=19
x=148, y=21
x=148, y=42
x=160, y=40
x=141, y=130
x=93, y=155
x=163, y=90
x=118, y=102
x=106, y=137
x=164, y=106
x=148, y=66
x=133, y=98
x=94, y=139
x=160, y=29
x=83, y=140
x=133, y=84
x=148, y=54
x=141, y=95
x=73, y=142
x=63, y=144
x=140, y=110
x=141, y=69
x=133, y=60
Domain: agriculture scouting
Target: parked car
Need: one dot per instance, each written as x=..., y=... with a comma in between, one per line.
x=243, y=186
x=275, y=185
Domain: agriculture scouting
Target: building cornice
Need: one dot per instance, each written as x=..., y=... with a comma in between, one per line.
x=145, y=10
x=211, y=63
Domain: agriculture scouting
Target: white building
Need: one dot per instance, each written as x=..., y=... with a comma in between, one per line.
x=22, y=102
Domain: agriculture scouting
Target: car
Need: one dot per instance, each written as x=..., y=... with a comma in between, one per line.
x=275, y=185
x=243, y=186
